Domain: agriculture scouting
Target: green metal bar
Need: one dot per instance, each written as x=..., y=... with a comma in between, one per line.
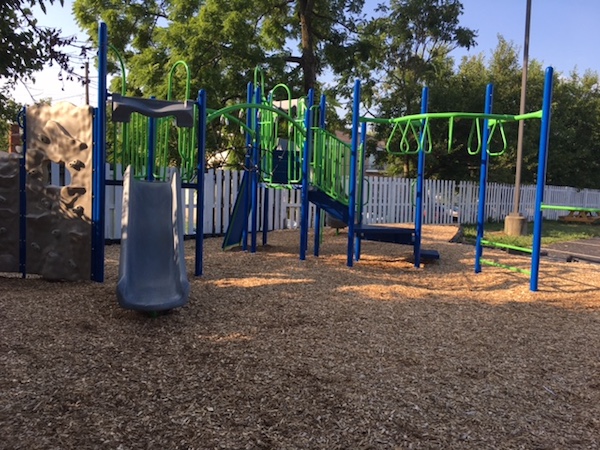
x=464, y=115
x=569, y=208
x=457, y=115
x=506, y=246
x=487, y=262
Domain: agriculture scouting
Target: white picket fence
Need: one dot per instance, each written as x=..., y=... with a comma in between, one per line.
x=386, y=200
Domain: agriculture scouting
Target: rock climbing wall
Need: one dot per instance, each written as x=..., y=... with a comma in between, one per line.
x=9, y=212
x=59, y=217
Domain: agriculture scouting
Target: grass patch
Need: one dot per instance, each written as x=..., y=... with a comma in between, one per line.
x=552, y=232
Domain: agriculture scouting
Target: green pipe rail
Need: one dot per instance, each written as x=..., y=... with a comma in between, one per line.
x=488, y=262
x=331, y=165
x=130, y=140
x=569, y=208
x=506, y=246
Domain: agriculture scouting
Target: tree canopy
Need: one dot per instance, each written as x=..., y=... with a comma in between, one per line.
x=25, y=45
x=402, y=46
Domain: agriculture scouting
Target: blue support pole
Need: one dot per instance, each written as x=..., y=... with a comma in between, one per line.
x=98, y=161
x=541, y=179
x=265, y=202
x=489, y=100
x=247, y=163
x=23, y=200
x=317, y=243
x=200, y=168
x=151, y=148
x=265, y=221
x=420, y=181
x=361, y=175
x=352, y=174
x=307, y=151
x=255, y=173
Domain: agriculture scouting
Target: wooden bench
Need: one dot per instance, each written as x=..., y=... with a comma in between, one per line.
x=588, y=216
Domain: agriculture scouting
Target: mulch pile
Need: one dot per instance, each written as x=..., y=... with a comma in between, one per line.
x=277, y=353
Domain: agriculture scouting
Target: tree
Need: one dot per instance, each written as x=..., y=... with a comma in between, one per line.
x=224, y=40
x=408, y=46
x=574, y=155
x=25, y=46
x=327, y=32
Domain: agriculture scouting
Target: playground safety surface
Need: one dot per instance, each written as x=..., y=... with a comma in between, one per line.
x=275, y=353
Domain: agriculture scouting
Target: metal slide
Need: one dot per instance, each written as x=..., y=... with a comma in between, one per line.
x=239, y=216
x=152, y=271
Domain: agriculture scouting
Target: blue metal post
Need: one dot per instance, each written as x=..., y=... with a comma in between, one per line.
x=151, y=148
x=265, y=220
x=352, y=174
x=247, y=164
x=98, y=161
x=489, y=100
x=541, y=179
x=361, y=175
x=23, y=200
x=255, y=172
x=420, y=181
x=307, y=151
x=322, y=121
x=200, y=168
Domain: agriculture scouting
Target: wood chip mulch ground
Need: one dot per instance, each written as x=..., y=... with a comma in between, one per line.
x=277, y=353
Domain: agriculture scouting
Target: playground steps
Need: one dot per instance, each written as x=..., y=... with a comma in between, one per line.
x=381, y=233
x=430, y=255
x=378, y=233
x=393, y=235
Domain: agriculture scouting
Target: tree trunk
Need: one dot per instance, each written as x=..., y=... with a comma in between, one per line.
x=309, y=58
x=406, y=166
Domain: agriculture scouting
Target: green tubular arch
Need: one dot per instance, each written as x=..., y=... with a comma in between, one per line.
x=188, y=79
x=241, y=106
x=259, y=74
x=185, y=137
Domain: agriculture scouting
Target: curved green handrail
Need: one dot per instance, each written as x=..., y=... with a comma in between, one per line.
x=258, y=73
x=188, y=79
x=241, y=106
x=186, y=138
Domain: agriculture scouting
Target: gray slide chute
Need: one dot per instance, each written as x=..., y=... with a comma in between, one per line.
x=152, y=271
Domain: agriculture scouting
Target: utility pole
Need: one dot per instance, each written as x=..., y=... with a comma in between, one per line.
x=87, y=83
x=515, y=224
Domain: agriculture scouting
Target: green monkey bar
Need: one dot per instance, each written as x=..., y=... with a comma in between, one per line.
x=415, y=129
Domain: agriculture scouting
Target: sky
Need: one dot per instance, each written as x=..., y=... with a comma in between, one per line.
x=564, y=34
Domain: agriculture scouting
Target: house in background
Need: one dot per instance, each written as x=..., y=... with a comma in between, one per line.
x=14, y=139
x=372, y=167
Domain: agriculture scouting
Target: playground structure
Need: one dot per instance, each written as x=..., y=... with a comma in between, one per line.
x=305, y=156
